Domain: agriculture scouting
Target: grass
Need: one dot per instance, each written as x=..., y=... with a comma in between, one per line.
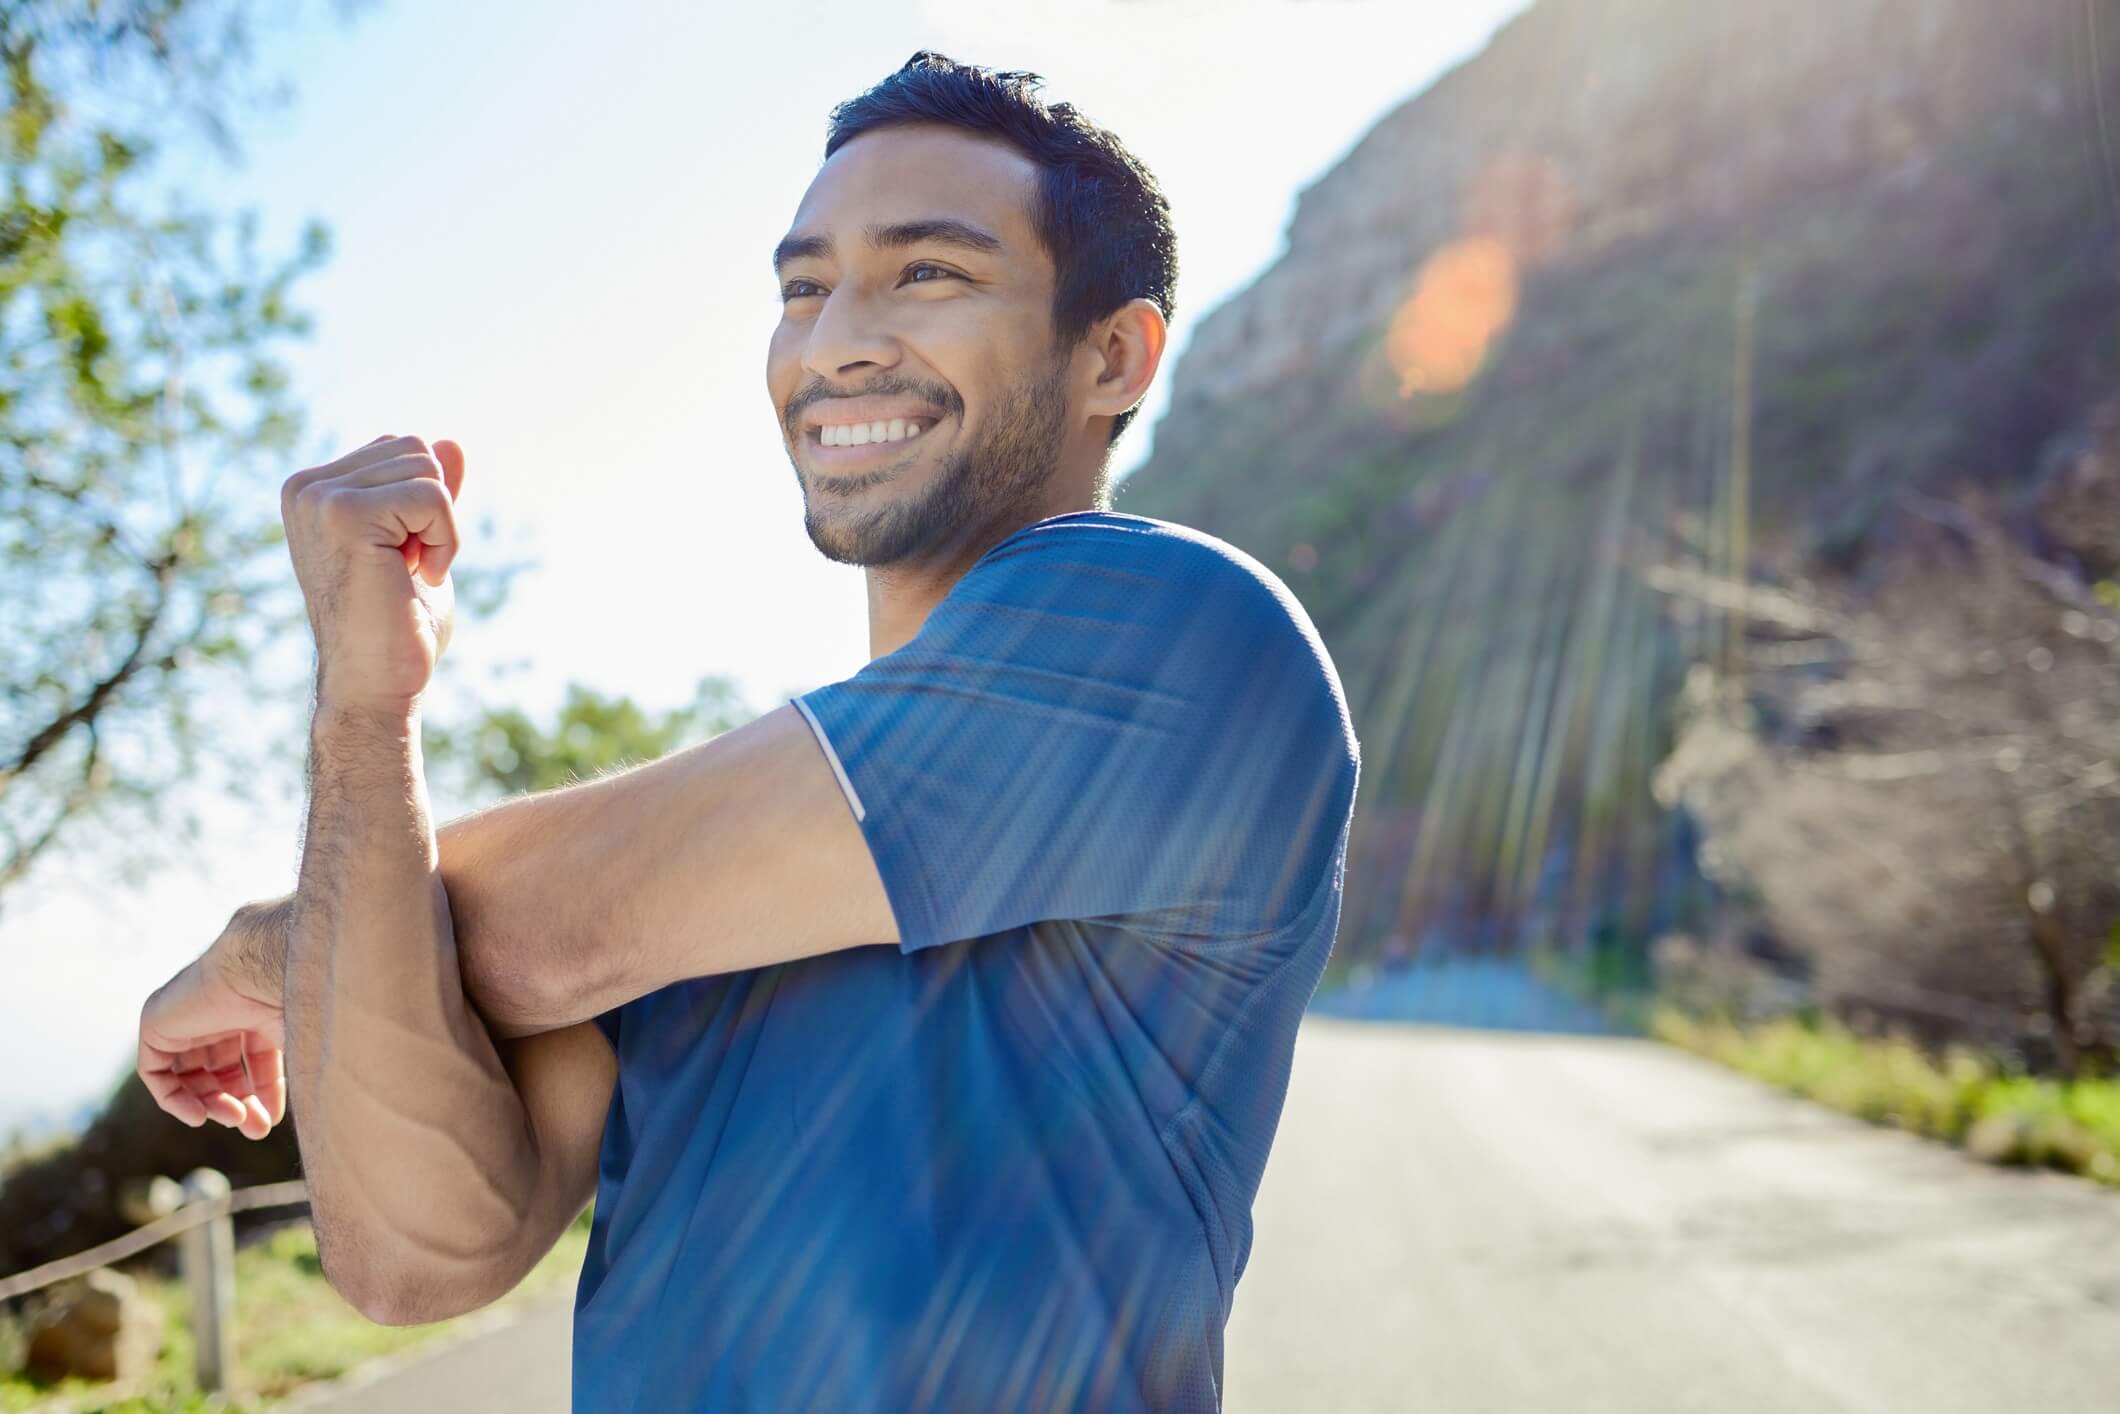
x=1962, y=1097
x=291, y=1329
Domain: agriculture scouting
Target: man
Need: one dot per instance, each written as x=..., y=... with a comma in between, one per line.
x=921, y=1041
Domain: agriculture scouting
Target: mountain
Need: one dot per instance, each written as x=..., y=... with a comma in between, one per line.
x=1642, y=278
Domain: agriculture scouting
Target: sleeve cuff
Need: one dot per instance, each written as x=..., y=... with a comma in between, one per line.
x=898, y=862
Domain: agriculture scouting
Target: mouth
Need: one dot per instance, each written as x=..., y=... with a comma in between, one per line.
x=888, y=440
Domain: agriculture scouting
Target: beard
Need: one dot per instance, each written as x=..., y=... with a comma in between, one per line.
x=997, y=481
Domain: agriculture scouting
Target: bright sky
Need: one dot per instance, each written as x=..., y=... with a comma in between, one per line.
x=551, y=243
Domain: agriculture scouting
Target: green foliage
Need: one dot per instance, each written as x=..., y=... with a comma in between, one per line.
x=145, y=424
x=501, y=751
x=1962, y=1097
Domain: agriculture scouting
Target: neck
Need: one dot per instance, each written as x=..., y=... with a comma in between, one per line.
x=902, y=595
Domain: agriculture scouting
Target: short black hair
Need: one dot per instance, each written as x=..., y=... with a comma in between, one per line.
x=1098, y=211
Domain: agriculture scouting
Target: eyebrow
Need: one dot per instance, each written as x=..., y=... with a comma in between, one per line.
x=940, y=230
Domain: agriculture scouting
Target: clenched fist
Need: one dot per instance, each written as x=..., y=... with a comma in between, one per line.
x=372, y=536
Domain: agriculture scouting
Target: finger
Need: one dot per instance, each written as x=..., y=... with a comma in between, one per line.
x=382, y=448
x=207, y=1054
x=224, y=1108
x=218, y=1095
x=173, y=1096
x=433, y=541
x=249, y=1093
x=418, y=509
x=451, y=457
x=404, y=466
x=268, y=1070
x=206, y=1084
x=409, y=467
x=153, y=1066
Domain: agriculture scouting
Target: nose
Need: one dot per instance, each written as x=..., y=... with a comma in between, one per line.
x=845, y=335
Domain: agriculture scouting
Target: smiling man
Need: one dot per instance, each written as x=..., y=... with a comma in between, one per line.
x=922, y=1042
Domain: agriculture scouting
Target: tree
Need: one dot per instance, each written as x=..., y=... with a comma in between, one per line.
x=1918, y=778
x=501, y=752
x=145, y=425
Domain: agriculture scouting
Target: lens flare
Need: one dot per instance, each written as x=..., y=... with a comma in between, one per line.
x=1464, y=296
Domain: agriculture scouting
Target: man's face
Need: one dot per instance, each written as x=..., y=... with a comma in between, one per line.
x=947, y=345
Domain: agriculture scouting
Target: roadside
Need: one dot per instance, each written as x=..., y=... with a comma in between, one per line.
x=1458, y=1219
x=292, y=1331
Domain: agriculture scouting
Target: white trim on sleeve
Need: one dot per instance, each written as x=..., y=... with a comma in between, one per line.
x=817, y=730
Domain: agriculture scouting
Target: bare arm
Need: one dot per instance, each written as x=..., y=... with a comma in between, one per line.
x=440, y=1164
x=437, y=1177
x=506, y=895
x=737, y=852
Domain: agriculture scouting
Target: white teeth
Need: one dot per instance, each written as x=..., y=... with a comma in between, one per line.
x=860, y=434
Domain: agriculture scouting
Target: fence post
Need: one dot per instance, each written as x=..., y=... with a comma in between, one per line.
x=208, y=1252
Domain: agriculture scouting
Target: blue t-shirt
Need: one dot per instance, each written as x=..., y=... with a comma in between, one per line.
x=1008, y=1163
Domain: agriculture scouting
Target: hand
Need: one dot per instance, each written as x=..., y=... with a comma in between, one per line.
x=372, y=536
x=212, y=1037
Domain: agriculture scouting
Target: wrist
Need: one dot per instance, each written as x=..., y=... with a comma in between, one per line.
x=336, y=709
x=252, y=950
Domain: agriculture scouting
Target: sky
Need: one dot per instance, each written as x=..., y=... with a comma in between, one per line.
x=551, y=243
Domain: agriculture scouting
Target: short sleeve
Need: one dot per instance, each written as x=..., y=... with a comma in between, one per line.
x=1101, y=719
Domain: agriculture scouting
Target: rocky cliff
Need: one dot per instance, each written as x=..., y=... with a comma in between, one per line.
x=1643, y=278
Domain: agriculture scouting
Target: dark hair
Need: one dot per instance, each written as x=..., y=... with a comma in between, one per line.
x=1098, y=211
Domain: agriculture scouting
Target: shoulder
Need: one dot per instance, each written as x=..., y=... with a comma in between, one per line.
x=1121, y=538
x=1199, y=607
x=1195, y=580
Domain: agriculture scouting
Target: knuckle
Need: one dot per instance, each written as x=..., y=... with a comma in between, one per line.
x=334, y=508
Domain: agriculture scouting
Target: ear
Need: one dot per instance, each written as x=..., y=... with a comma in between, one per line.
x=1129, y=345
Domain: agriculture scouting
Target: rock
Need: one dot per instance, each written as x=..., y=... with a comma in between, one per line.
x=101, y=1327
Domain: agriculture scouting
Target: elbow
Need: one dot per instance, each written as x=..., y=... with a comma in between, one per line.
x=382, y=1304
x=398, y=1293
x=510, y=987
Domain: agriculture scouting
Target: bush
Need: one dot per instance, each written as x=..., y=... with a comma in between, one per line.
x=1961, y=1097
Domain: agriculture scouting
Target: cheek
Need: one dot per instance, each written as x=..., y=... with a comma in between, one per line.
x=782, y=373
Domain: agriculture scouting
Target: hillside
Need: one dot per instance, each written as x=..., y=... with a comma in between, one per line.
x=1644, y=277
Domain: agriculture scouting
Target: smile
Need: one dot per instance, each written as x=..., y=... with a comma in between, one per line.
x=835, y=443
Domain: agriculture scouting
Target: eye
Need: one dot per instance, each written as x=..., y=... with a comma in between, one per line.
x=924, y=265
x=788, y=291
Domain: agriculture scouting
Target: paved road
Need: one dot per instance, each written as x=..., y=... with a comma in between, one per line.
x=1476, y=1222
x=1470, y=1222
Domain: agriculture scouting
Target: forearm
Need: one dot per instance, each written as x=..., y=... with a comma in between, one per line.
x=517, y=937
x=415, y=1143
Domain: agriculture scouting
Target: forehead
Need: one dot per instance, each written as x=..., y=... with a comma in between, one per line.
x=922, y=172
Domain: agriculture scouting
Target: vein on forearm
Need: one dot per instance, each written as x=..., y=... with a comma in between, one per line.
x=372, y=963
